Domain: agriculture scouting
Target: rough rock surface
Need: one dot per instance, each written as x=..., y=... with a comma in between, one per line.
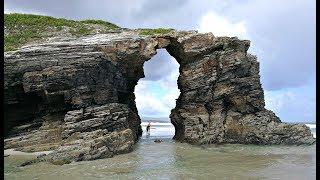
x=76, y=96
x=221, y=98
x=85, y=134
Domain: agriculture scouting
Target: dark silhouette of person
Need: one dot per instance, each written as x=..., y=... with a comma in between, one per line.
x=148, y=127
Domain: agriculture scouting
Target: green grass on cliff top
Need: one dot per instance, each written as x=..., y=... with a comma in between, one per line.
x=21, y=29
x=154, y=31
x=25, y=28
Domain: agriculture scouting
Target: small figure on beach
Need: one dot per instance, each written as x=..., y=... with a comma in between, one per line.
x=148, y=128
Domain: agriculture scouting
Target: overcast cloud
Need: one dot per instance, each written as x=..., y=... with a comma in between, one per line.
x=282, y=35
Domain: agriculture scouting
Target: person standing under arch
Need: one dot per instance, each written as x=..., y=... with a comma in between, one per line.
x=148, y=128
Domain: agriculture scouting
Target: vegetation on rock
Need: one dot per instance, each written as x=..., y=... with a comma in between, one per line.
x=21, y=29
x=154, y=31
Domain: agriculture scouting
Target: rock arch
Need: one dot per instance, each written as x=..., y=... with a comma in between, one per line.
x=156, y=94
x=86, y=102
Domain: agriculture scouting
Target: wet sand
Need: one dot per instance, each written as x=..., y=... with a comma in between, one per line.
x=174, y=160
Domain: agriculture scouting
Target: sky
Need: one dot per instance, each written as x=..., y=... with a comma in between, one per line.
x=282, y=35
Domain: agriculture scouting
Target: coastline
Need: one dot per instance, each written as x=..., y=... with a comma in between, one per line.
x=162, y=128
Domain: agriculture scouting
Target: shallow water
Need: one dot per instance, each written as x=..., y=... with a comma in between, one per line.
x=173, y=160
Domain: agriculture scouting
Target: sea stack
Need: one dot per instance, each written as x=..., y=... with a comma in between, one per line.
x=75, y=95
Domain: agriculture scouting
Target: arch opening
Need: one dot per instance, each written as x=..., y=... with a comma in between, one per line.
x=156, y=94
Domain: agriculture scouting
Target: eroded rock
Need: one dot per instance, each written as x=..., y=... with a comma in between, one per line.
x=78, y=94
x=89, y=133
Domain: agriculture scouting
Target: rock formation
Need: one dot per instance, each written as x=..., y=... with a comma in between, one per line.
x=76, y=96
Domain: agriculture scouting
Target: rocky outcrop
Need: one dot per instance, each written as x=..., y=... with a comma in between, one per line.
x=76, y=96
x=221, y=98
x=86, y=134
x=98, y=132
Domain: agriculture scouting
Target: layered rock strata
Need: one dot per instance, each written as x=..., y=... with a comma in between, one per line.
x=76, y=96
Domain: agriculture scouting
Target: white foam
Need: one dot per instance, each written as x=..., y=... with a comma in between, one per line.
x=311, y=125
x=313, y=129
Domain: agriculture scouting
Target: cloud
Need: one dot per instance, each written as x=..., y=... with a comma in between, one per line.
x=276, y=101
x=156, y=94
x=282, y=35
x=152, y=103
x=160, y=66
x=221, y=26
x=157, y=8
x=147, y=103
x=292, y=105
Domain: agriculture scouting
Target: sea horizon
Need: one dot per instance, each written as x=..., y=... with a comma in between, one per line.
x=166, y=128
x=166, y=119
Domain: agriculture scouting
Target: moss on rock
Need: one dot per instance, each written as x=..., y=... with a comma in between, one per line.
x=154, y=31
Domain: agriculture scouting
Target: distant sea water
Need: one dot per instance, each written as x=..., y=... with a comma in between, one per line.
x=159, y=129
x=313, y=128
x=167, y=129
x=174, y=160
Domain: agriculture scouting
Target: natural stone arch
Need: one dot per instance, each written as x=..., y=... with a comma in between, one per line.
x=86, y=91
x=200, y=113
x=221, y=99
x=161, y=75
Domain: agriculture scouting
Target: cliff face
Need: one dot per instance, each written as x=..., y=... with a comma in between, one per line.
x=76, y=96
x=221, y=98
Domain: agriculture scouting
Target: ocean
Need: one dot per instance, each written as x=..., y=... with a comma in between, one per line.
x=313, y=129
x=174, y=160
x=166, y=129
